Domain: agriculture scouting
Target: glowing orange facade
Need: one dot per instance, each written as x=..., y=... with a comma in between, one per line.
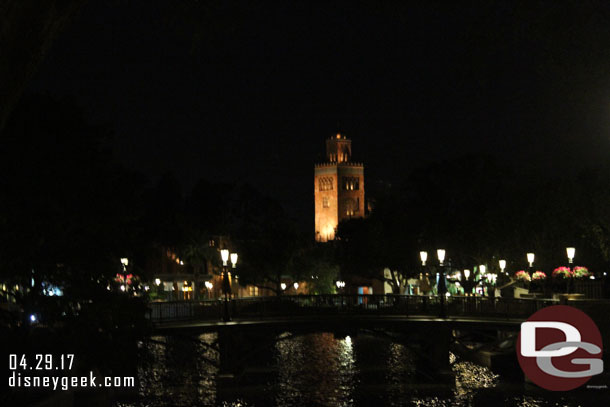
x=338, y=188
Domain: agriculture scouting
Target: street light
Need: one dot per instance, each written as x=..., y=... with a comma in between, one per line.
x=226, y=284
x=224, y=255
x=283, y=286
x=530, y=260
x=570, y=251
x=125, y=263
x=441, y=288
x=502, y=265
x=441, y=256
x=423, y=256
x=209, y=287
x=491, y=290
x=296, y=286
x=233, y=259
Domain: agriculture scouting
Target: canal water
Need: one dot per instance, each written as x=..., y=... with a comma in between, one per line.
x=324, y=370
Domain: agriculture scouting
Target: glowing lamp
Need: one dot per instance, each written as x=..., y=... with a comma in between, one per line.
x=125, y=261
x=570, y=251
x=467, y=274
x=530, y=258
x=157, y=281
x=441, y=255
x=482, y=269
x=234, y=259
x=423, y=256
x=224, y=255
x=283, y=286
x=502, y=264
x=296, y=286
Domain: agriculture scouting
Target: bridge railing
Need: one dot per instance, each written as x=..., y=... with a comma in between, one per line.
x=496, y=307
x=387, y=304
x=168, y=311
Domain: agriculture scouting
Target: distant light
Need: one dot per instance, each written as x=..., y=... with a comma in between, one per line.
x=157, y=281
x=146, y=288
x=466, y=274
x=423, y=256
x=447, y=294
x=283, y=286
x=570, y=251
x=348, y=340
x=502, y=264
x=33, y=318
x=122, y=287
x=124, y=261
x=530, y=258
x=482, y=269
x=296, y=286
x=440, y=253
x=108, y=287
x=181, y=263
x=224, y=255
x=234, y=259
x=592, y=277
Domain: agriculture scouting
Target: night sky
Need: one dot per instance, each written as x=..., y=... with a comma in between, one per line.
x=248, y=91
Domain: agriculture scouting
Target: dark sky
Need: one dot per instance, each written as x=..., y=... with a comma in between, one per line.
x=242, y=90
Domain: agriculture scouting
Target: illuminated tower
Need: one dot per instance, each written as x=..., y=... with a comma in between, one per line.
x=338, y=188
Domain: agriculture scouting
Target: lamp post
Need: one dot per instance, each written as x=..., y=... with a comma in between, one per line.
x=491, y=288
x=234, y=265
x=467, y=283
x=482, y=274
x=209, y=287
x=502, y=264
x=442, y=288
x=125, y=263
x=530, y=260
x=226, y=284
x=570, y=251
x=423, y=256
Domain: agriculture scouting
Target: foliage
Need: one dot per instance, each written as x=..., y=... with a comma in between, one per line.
x=523, y=276
x=581, y=272
x=539, y=275
x=562, y=272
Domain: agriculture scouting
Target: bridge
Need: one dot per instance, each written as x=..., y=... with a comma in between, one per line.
x=257, y=322
x=165, y=315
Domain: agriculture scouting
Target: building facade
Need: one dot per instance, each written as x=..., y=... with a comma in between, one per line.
x=338, y=188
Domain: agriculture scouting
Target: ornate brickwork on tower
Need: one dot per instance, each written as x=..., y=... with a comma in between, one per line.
x=338, y=188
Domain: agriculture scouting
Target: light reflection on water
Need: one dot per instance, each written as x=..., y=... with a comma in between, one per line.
x=316, y=370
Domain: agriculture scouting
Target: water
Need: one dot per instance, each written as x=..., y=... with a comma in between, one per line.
x=322, y=370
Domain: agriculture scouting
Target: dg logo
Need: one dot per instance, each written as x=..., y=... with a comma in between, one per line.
x=560, y=348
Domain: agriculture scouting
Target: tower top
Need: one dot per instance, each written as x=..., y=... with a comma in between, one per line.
x=338, y=149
